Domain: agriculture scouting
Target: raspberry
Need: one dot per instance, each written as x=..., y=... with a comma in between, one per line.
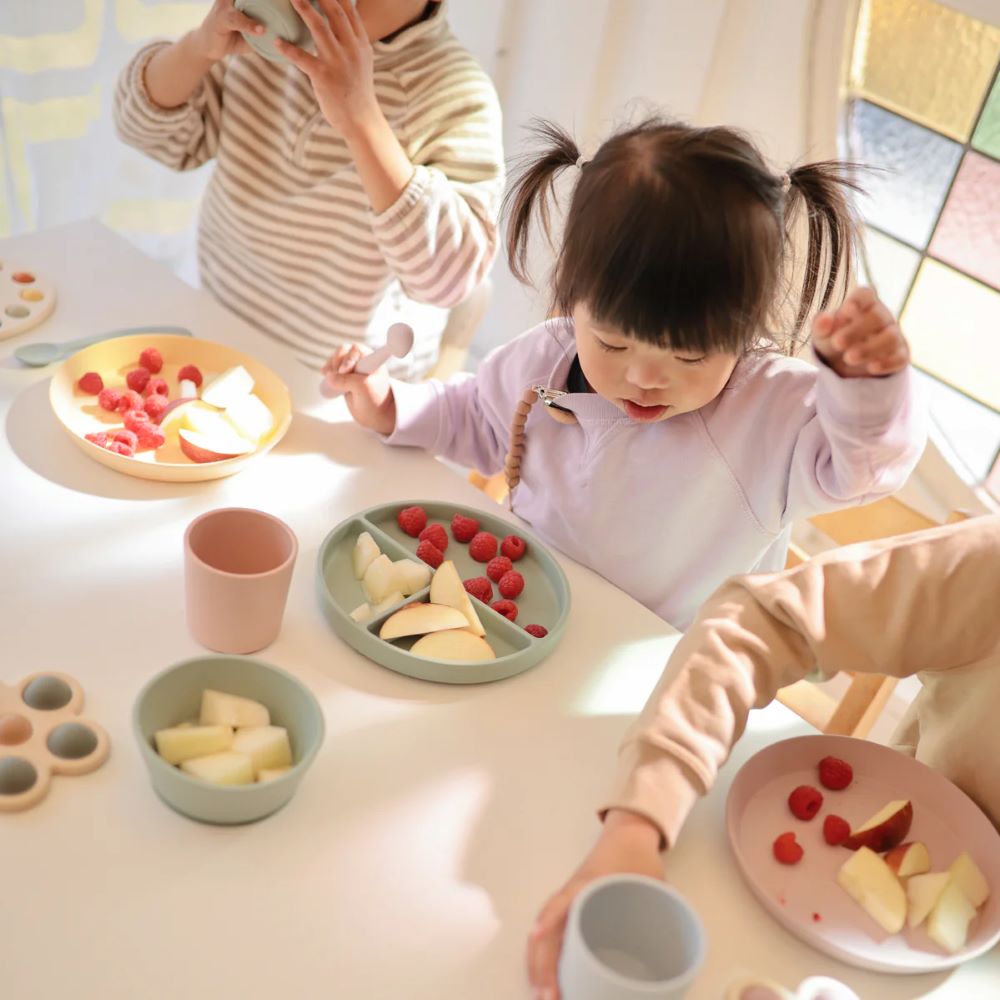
x=155, y=405
x=150, y=436
x=464, y=529
x=137, y=379
x=835, y=774
x=513, y=547
x=125, y=436
x=805, y=802
x=151, y=360
x=135, y=419
x=91, y=382
x=538, y=631
x=157, y=387
x=191, y=373
x=787, y=850
x=120, y=448
x=479, y=587
x=511, y=584
x=130, y=400
x=109, y=399
x=483, y=547
x=496, y=568
x=436, y=535
x=430, y=553
x=100, y=438
x=836, y=829
x=506, y=608
x=412, y=520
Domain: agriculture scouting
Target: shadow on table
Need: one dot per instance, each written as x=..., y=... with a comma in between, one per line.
x=343, y=442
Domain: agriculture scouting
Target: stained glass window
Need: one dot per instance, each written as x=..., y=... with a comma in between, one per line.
x=924, y=112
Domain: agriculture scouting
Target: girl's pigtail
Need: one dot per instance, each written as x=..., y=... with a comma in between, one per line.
x=821, y=190
x=533, y=186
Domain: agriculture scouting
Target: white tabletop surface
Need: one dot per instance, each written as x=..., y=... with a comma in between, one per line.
x=434, y=821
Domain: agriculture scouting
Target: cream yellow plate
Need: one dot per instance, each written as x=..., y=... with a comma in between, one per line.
x=113, y=359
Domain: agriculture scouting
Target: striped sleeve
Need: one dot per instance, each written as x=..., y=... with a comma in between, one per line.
x=182, y=138
x=440, y=236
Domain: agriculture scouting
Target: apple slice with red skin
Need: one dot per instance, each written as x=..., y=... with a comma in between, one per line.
x=883, y=831
x=202, y=448
x=911, y=858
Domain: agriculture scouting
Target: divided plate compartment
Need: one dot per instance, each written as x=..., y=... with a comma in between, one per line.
x=544, y=601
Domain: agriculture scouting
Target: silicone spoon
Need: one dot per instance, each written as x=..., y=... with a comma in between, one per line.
x=398, y=343
x=40, y=355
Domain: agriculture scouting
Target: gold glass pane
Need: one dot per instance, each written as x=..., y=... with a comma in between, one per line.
x=888, y=266
x=953, y=325
x=925, y=61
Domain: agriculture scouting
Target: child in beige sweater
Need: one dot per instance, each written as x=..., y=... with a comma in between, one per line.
x=926, y=604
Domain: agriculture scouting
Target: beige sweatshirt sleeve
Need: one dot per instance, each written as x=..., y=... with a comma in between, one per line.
x=926, y=603
x=181, y=138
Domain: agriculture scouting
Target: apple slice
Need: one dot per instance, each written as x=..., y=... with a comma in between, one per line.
x=362, y=613
x=922, y=892
x=911, y=858
x=249, y=417
x=970, y=879
x=365, y=552
x=887, y=828
x=396, y=597
x=453, y=645
x=266, y=746
x=447, y=589
x=180, y=743
x=202, y=448
x=873, y=885
x=270, y=773
x=226, y=768
x=420, y=619
x=227, y=388
x=379, y=580
x=219, y=708
x=175, y=414
x=948, y=923
x=411, y=576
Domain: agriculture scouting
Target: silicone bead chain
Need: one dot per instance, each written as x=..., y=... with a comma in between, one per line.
x=515, y=448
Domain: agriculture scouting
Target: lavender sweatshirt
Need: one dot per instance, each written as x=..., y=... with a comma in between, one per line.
x=667, y=511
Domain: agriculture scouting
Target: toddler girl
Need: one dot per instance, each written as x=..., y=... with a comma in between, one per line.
x=353, y=186
x=685, y=443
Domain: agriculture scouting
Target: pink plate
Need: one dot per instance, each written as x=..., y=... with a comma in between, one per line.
x=805, y=898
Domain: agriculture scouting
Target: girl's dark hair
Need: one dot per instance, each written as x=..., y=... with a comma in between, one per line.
x=679, y=236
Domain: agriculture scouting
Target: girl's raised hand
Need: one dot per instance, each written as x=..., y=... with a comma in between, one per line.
x=369, y=397
x=861, y=339
x=219, y=35
x=341, y=72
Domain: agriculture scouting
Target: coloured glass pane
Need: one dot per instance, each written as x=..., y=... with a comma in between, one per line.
x=968, y=233
x=987, y=134
x=925, y=61
x=888, y=266
x=915, y=167
x=953, y=325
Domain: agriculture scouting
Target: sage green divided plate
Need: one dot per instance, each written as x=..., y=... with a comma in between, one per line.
x=544, y=600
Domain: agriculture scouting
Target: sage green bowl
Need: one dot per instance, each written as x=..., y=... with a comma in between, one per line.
x=174, y=696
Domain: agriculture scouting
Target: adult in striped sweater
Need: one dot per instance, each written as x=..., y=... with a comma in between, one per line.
x=354, y=186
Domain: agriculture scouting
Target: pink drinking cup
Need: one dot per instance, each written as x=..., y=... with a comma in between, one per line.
x=238, y=566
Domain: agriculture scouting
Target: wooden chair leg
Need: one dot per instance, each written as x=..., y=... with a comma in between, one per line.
x=808, y=702
x=861, y=705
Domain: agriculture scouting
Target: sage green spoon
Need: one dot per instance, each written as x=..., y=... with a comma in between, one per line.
x=40, y=355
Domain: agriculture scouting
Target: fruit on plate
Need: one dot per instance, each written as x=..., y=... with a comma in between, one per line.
x=203, y=448
x=225, y=768
x=270, y=773
x=396, y=597
x=228, y=388
x=366, y=551
x=249, y=417
x=379, y=580
x=908, y=859
x=180, y=743
x=922, y=892
x=835, y=774
x=447, y=589
x=362, y=613
x=178, y=414
x=836, y=829
x=411, y=576
x=787, y=849
x=220, y=708
x=970, y=879
x=266, y=746
x=948, y=922
x=420, y=619
x=873, y=885
x=453, y=645
x=805, y=801
x=883, y=831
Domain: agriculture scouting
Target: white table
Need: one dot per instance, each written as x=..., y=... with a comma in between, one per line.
x=435, y=819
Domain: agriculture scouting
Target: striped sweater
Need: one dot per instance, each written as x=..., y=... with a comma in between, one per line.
x=287, y=239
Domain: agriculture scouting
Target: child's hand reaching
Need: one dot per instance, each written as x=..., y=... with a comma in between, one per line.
x=219, y=35
x=369, y=397
x=861, y=339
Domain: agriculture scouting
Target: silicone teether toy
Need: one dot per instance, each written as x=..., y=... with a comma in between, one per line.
x=41, y=734
x=26, y=298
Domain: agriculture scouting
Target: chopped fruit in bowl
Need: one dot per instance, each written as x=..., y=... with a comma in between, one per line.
x=412, y=520
x=483, y=547
x=835, y=774
x=787, y=849
x=464, y=529
x=436, y=535
x=805, y=802
x=887, y=828
x=91, y=383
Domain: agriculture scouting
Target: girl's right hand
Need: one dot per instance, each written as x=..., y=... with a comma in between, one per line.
x=369, y=397
x=219, y=35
